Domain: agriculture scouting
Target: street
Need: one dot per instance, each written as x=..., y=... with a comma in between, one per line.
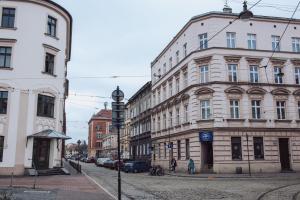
x=142, y=186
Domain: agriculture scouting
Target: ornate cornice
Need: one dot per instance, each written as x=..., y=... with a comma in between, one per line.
x=278, y=61
x=204, y=90
x=232, y=59
x=296, y=62
x=203, y=60
x=253, y=60
x=234, y=90
x=256, y=90
x=280, y=91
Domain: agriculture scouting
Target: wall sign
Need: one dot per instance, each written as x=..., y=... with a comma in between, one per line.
x=206, y=136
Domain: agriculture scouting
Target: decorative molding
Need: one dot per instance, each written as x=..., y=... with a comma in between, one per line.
x=203, y=60
x=253, y=60
x=256, y=90
x=7, y=40
x=232, y=59
x=204, y=90
x=296, y=92
x=51, y=47
x=258, y=120
x=278, y=61
x=184, y=97
x=235, y=120
x=280, y=91
x=234, y=90
x=296, y=62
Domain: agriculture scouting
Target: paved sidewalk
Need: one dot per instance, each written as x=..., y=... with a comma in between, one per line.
x=74, y=187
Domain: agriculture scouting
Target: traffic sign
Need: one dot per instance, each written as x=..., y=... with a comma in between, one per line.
x=117, y=95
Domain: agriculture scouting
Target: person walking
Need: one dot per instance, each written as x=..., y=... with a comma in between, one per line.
x=191, y=166
x=173, y=164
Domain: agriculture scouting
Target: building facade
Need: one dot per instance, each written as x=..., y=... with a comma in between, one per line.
x=33, y=84
x=219, y=99
x=99, y=128
x=139, y=108
x=125, y=135
x=110, y=146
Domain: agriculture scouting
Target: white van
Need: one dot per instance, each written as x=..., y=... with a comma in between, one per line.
x=100, y=161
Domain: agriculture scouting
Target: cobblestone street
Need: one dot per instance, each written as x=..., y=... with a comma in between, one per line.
x=142, y=186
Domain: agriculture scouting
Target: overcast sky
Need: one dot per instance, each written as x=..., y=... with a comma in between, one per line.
x=121, y=38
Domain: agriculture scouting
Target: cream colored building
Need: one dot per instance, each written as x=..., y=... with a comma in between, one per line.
x=35, y=47
x=210, y=95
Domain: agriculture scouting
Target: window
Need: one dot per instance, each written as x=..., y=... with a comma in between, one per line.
x=185, y=78
x=1, y=148
x=205, y=109
x=159, y=151
x=177, y=82
x=232, y=72
x=158, y=96
x=275, y=43
x=170, y=62
x=153, y=124
x=278, y=75
x=204, y=74
x=258, y=145
x=164, y=92
x=299, y=109
x=234, y=109
x=256, y=111
x=165, y=68
x=45, y=106
x=280, y=109
x=165, y=150
x=186, y=113
x=251, y=41
x=164, y=121
x=187, y=149
x=236, y=148
x=170, y=88
x=184, y=50
x=230, y=40
x=297, y=75
x=177, y=57
x=51, y=26
x=203, y=41
x=254, y=74
x=49, y=63
x=98, y=128
x=8, y=17
x=171, y=118
x=158, y=73
x=5, y=57
x=296, y=44
x=158, y=123
x=178, y=150
x=177, y=116
x=3, y=102
x=98, y=136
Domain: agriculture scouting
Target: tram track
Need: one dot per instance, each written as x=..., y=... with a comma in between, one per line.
x=295, y=196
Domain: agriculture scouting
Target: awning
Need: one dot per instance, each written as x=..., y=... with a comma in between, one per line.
x=50, y=134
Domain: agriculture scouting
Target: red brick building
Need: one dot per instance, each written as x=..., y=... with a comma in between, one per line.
x=99, y=126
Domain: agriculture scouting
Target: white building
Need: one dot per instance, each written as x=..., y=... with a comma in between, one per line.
x=210, y=95
x=35, y=46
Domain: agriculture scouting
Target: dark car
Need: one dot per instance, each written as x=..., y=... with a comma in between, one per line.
x=116, y=164
x=108, y=164
x=136, y=166
x=90, y=160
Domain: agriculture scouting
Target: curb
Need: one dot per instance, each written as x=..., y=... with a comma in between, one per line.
x=225, y=177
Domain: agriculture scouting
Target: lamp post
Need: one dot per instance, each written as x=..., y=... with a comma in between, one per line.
x=78, y=142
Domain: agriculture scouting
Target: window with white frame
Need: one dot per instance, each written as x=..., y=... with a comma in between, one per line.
x=186, y=113
x=170, y=62
x=232, y=72
x=278, y=75
x=230, y=39
x=177, y=83
x=184, y=50
x=205, y=109
x=234, y=109
x=296, y=44
x=204, y=74
x=203, y=41
x=177, y=116
x=164, y=121
x=275, y=43
x=185, y=78
x=297, y=75
x=164, y=92
x=165, y=68
x=254, y=74
x=177, y=57
x=170, y=88
x=280, y=107
x=251, y=41
x=170, y=119
x=3, y=102
x=5, y=57
x=256, y=109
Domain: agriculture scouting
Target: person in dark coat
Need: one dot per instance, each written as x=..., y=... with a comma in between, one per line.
x=173, y=164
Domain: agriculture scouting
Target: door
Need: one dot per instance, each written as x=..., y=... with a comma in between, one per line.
x=207, y=156
x=41, y=150
x=284, y=153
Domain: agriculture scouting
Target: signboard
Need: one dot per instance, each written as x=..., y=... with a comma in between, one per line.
x=170, y=146
x=206, y=136
x=118, y=106
x=117, y=95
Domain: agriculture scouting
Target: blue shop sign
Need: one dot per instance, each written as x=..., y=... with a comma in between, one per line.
x=206, y=136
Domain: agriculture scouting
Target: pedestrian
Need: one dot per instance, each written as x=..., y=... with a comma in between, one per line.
x=191, y=166
x=173, y=164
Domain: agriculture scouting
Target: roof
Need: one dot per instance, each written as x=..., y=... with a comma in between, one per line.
x=143, y=88
x=216, y=13
x=102, y=114
x=50, y=134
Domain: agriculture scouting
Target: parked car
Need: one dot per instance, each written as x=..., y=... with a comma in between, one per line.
x=108, y=164
x=136, y=166
x=90, y=160
x=83, y=159
x=100, y=161
x=116, y=164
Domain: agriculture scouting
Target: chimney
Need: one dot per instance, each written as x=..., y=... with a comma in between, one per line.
x=226, y=8
x=105, y=105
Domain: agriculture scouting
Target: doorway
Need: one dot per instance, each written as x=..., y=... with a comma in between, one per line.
x=207, y=156
x=284, y=153
x=41, y=151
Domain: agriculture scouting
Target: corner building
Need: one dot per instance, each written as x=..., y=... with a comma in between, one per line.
x=35, y=47
x=214, y=101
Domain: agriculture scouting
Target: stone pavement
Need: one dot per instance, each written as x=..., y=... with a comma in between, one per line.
x=74, y=187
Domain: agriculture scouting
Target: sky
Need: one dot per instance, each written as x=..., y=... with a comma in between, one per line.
x=122, y=38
